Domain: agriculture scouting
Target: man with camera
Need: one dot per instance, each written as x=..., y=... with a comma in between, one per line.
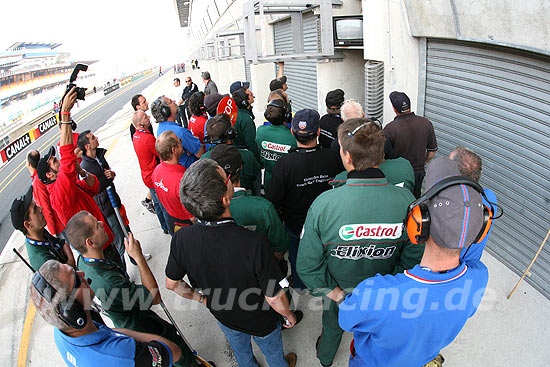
x=63, y=297
x=68, y=194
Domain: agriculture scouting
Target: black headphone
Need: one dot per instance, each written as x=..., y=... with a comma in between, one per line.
x=69, y=311
x=280, y=104
x=241, y=98
x=229, y=134
x=418, y=218
x=164, y=110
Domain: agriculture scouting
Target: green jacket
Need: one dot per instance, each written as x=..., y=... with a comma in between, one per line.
x=246, y=132
x=354, y=232
x=273, y=141
x=38, y=255
x=259, y=215
x=115, y=291
x=398, y=172
x=251, y=167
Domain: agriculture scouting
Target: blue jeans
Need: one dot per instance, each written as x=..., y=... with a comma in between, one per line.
x=161, y=212
x=292, y=255
x=271, y=346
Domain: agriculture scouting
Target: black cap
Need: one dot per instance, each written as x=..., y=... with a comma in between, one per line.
x=205, y=75
x=335, y=98
x=400, y=101
x=19, y=208
x=277, y=83
x=43, y=166
x=228, y=157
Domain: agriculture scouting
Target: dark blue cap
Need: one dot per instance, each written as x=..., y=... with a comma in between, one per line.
x=306, y=122
x=235, y=86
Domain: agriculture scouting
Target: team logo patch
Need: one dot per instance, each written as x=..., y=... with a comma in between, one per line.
x=156, y=357
x=362, y=252
x=279, y=148
x=302, y=125
x=352, y=232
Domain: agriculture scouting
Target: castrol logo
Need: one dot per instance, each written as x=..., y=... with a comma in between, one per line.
x=353, y=232
x=280, y=148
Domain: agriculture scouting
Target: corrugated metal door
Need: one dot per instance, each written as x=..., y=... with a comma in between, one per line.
x=496, y=100
x=301, y=75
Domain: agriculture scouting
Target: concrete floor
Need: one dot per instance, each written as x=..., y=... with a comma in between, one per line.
x=503, y=332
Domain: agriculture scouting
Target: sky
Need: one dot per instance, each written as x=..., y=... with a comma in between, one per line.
x=122, y=33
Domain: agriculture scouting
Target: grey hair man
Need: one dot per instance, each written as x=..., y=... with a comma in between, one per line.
x=81, y=341
x=206, y=192
x=469, y=165
x=351, y=109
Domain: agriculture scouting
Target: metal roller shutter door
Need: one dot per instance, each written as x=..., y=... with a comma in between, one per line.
x=496, y=100
x=301, y=75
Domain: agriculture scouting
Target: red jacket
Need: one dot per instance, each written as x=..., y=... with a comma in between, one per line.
x=144, y=145
x=166, y=178
x=196, y=125
x=69, y=195
x=42, y=198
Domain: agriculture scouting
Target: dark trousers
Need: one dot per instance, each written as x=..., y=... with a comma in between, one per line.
x=418, y=179
x=292, y=255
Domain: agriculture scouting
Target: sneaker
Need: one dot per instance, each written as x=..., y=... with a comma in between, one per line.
x=148, y=204
x=291, y=358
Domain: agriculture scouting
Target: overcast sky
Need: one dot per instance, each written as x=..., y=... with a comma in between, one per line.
x=119, y=32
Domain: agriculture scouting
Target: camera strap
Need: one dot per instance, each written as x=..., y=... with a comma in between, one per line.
x=215, y=223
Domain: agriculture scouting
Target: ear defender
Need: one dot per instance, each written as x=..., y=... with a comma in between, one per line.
x=418, y=218
x=418, y=223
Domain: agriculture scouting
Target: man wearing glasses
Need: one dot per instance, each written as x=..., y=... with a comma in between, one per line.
x=188, y=91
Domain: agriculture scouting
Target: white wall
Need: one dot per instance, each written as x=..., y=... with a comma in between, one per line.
x=387, y=38
x=347, y=75
x=514, y=23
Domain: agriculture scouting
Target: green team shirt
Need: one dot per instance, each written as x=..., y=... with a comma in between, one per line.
x=52, y=249
x=251, y=167
x=273, y=141
x=398, y=172
x=355, y=232
x=246, y=132
x=259, y=215
x=126, y=303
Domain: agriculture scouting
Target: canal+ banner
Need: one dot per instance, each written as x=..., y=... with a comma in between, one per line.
x=15, y=147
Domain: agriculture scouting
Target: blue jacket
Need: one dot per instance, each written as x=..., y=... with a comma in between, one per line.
x=191, y=145
x=406, y=319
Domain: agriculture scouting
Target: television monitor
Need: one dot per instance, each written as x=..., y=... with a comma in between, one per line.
x=348, y=30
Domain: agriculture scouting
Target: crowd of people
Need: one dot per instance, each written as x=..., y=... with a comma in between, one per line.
x=338, y=198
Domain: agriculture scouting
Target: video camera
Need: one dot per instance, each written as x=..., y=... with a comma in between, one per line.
x=80, y=92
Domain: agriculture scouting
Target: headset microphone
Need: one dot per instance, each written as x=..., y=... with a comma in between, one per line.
x=69, y=311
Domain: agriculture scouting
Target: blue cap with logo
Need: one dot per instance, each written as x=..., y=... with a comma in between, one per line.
x=305, y=122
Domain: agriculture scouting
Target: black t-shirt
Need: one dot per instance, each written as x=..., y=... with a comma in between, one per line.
x=298, y=178
x=329, y=129
x=236, y=270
